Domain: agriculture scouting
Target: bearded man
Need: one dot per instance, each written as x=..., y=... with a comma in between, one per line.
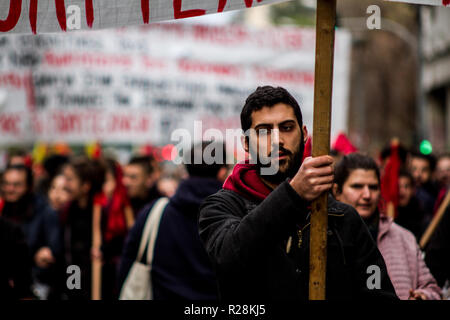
x=256, y=229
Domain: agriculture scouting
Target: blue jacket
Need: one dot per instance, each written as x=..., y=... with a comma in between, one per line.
x=181, y=267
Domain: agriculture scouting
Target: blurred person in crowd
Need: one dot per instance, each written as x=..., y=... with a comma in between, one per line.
x=357, y=183
x=385, y=156
x=437, y=251
x=140, y=178
x=51, y=167
x=442, y=177
x=39, y=223
x=15, y=266
x=181, y=268
x=421, y=168
x=256, y=229
x=167, y=186
x=58, y=196
x=84, y=180
x=117, y=219
x=442, y=173
x=19, y=157
x=410, y=212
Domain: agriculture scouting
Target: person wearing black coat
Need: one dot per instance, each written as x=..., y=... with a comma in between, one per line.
x=256, y=229
x=181, y=269
x=437, y=252
x=15, y=268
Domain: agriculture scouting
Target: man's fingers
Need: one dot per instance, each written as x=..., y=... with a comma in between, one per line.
x=322, y=180
x=317, y=162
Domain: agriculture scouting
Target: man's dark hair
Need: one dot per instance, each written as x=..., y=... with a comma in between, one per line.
x=28, y=174
x=431, y=159
x=204, y=169
x=352, y=162
x=268, y=96
x=146, y=162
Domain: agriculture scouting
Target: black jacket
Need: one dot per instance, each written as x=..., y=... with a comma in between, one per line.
x=437, y=251
x=247, y=243
x=15, y=266
x=181, y=269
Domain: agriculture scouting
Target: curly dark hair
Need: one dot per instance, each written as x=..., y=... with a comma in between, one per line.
x=268, y=96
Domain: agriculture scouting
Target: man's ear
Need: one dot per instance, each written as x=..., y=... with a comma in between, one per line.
x=244, y=141
x=305, y=134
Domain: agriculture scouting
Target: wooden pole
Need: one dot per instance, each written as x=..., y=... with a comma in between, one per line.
x=325, y=24
x=96, y=271
x=435, y=222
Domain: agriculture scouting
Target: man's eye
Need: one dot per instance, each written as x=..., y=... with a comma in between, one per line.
x=286, y=128
x=263, y=132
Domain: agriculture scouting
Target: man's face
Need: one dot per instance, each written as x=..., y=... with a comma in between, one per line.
x=420, y=170
x=443, y=171
x=361, y=190
x=405, y=191
x=135, y=180
x=14, y=185
x=277, y=137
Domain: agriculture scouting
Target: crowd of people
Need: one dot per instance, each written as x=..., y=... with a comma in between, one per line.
x=227, y=232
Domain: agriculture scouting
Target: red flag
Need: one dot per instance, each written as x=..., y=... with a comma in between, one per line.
x=343, y=145
x=389, y=181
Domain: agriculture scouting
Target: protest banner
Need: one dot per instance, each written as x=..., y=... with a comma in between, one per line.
x=139, y=84
x=42, y=16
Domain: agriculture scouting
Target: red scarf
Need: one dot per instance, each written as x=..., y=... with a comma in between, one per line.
x=245, y=181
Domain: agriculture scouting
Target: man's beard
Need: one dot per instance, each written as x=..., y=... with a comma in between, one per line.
x=294, y=163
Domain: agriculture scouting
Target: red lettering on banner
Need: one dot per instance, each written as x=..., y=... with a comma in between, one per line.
x=12, y=79
x=203, y=67
x=61, y=14
x=223, y=3
x=89, y=13
x=145, y=7
x=178, y=14
x=306, y=77
x=98, y=60
x=9, y=123
x=67, y=123
x=33, y=15
x=15, y=9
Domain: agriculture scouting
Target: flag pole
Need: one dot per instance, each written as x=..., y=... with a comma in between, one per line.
x=325, y=25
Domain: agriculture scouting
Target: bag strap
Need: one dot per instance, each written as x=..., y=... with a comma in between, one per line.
x=151, y=228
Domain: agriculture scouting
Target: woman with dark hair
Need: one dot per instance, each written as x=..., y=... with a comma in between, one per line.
x=117, y=219
x=84, y=180
x=357, y=183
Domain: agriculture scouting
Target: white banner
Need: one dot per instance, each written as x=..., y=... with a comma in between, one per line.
x=426, y=2
x=39, y=16
x=137, y=85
